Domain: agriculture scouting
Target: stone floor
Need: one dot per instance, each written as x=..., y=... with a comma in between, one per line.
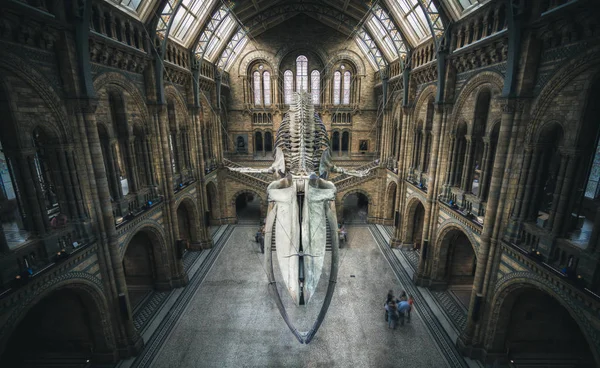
x=231, y=320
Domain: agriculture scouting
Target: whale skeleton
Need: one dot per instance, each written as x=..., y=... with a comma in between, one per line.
x=300, y=202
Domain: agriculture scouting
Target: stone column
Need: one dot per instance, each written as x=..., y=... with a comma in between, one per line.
x=485, y=168
x=134, y=180
x=561, y=217
x=528, y=190
x=67, y=183
x=466, y=172
x=179, y=277
x=493, y=211
x=557, y=190
x=133, y=341
x=33, y=192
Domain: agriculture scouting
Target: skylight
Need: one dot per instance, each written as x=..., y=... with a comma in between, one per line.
x=189, y=18
x=140, y=9
x=370, y=49
x=412, y=19
x=217, y=32
x=233, y=49
x=386, y=34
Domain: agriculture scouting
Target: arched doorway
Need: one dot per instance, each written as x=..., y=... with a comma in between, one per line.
x=185, y=222
x=247, y=208
x=141, y=265
x=457, y=264
x=355, y=208
x=391, y=200
x=63, y=329
x=414, y=228
x=535, y=329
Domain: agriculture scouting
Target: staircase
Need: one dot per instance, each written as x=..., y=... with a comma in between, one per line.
x=57, y=360
x=327, y=241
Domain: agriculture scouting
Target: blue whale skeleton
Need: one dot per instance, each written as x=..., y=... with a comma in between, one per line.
x=300, y=204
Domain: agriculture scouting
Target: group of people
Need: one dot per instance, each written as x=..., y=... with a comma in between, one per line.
x=398, y=309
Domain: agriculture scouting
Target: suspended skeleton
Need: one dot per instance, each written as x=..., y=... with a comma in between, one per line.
x=300, y=204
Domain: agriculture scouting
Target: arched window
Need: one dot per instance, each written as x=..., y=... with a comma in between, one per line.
x=301, y=73
x=347, y=78
x=288, y=88
x=267, y=87
x=337, y=80
x=315, y=86
x=257, y=97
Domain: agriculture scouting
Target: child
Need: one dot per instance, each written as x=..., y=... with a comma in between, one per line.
x=410, y=302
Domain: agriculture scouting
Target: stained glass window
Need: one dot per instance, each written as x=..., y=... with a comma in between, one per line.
x=337, y=81
x=347, y=78
x=256, y=87
x=301, y=73
x=288, y=87
x=315, y=86
x=267, y=87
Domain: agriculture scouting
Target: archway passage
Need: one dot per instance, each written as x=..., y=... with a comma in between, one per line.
x=247, y=208
x=62, y=330
x=356, y=209
x=460, y=262
x=391, y=200
x=414, y=229
x=213, y=203
x=185, y=223
x=534, y=329
x=140, y=267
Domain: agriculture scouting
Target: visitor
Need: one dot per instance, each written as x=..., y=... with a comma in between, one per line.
x=390, y=297
x=343, y=233
x=411, y=301
x=403, y=308
x=392, y=311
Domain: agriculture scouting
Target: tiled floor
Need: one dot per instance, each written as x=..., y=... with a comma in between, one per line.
x=232, y=321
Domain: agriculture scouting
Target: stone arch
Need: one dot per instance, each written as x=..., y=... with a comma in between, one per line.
x=90, y=289
x=478, y=80
x=423, y=98
x=350, y=55
x=391, y=194
x=172, y=93
x=193, y=217
x=447, y=234
x=19, y=68
x=561, y=78
x=261, y=202
x=154, y=230
x=361, y=191
x=303, y=47
x=105, y=80
x=341, y=208
x=254, y=56
x=409, y=218
x=511, y=285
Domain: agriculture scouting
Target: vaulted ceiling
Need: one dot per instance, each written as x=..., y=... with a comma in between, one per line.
x=218, y=30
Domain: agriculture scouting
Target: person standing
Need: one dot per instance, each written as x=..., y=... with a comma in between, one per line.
x=403, y=307
x=411, y=301
x=390, y=297
x=392, y=311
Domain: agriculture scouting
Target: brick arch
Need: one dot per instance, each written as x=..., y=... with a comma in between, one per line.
x=254, y=56
x=155, y=232
x=58, y=123
x=551, y=124
x=171, y=93
x=409, y=216
x=361, y=191
x=512, y=284
x=351, y=56
x=423, y=97
x=561, y=78
x=190, y=205
x=298, y=48
x=105, y=80
x=89, y=288
x=442, y=242
x=473, y=84
x=261, y=202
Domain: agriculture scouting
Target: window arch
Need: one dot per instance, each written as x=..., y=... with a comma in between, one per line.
x=337, y=81
x=256, y=87
x=288, y=88
x=267, y=87
x=301, y=73
x=315, y=86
